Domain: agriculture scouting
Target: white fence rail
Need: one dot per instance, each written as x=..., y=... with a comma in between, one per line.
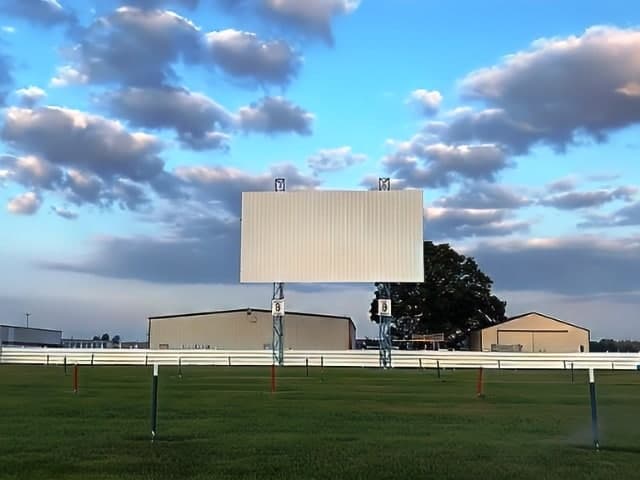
x=344, y=358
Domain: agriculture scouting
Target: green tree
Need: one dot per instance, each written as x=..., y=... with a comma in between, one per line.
x=454, y=299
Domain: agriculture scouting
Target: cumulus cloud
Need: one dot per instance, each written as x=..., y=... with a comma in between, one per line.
x=29, y=96
x=577, y=200
x=25, y=204
x=67, y=75
x=131, y=46
x=224, y=185
x=194, y=116
x=129, y=195
x=64, y=213
x=555, y=93
x=623, y=217
x=273, y=115
x=566, y=265
x=41, y=12
x=456, y=223
x=245, y=55
x=562, y=185
x=87, y=142
x=311, y=17
x=428, y=101
x=334, y=159
x=151, y=4
x=31, y=171
x=485, y=195
x=419, y=163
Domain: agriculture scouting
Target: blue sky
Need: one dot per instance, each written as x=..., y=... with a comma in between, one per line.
x=129, y=129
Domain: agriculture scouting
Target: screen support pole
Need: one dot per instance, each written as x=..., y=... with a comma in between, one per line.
x=278, y=332
x=277, y=345
x=384, y=293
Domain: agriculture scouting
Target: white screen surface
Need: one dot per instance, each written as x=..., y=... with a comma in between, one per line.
x=332, y=236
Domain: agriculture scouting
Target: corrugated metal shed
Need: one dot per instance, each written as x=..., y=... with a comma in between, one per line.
x=30, y=337
x=250, y=329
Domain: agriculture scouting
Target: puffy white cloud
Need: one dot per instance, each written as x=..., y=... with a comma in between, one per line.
x=25, y=204
x=224, y=185
x=31, y=171
x=485, y=195
x=311, y=16
x=40, y=12
x=71, y=138
x=419, y=163
x=64, y=213
x=273, y=115
x=556, y=92
x=427, y=100
x=623, y=217
x=67, y=75
x=131, y=46
x=456, y=223
x=195, y=117
x=586, y=199
x=245, y=55
x=334, y=159
x=151, y=4
x=29, y=96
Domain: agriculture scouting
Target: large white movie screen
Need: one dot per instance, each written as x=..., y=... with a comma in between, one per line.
x=332, y=236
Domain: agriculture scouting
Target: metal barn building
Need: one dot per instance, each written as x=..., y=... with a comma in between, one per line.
x=250, y=329
x=532, y=332
x=29, y=337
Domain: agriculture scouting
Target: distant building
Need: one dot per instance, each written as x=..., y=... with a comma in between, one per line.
x=86, y=343
x=134, y=344
x=532, y=332
x=250, y=329
x=15, y=336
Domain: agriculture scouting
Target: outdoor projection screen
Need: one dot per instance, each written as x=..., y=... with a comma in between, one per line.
x=331, y=236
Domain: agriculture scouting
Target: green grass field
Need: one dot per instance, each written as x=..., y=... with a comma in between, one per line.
x=223, y=423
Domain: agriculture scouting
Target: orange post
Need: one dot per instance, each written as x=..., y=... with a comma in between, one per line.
x=480, y=386
x=75, y=378
x=273, y=377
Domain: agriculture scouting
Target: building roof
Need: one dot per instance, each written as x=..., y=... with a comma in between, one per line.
x=542, y=315
x=305, y=314
x=31, y=328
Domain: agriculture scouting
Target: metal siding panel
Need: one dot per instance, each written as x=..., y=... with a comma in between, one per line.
x=332, y=236
x=239, y=331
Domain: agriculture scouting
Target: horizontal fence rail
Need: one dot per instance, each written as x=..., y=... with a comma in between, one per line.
x=313, y=358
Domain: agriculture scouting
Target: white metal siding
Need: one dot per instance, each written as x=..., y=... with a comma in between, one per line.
x=332, y=236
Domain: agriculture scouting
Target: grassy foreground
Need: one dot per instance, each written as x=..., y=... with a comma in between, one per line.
x=223, y=423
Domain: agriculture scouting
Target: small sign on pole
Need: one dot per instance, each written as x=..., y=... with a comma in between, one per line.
x=277, y=307
x=384, y=307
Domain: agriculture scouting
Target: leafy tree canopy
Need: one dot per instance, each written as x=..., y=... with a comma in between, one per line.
x=454, y=299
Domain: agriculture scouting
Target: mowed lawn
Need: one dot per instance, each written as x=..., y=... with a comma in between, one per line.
x=223, y=423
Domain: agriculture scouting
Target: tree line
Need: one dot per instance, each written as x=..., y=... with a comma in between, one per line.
x=610, y=345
